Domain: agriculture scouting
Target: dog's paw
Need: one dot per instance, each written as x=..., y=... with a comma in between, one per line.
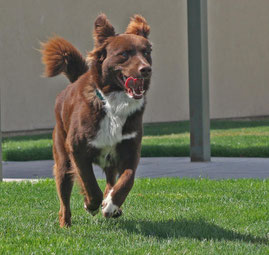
x=117, y=213
x=64, y=220
x=92, y=212
x=110, y=210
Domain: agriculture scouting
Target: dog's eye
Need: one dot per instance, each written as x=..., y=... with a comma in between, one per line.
x=124, y=54
x=146, y=53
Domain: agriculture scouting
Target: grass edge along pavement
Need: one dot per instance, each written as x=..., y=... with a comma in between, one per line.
x=228, y=139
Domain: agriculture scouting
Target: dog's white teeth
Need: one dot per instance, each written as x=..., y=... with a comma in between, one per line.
x=137, y=94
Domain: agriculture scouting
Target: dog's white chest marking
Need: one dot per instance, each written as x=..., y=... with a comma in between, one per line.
x=118, y=107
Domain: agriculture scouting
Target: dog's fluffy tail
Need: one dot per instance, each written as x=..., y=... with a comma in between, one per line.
x=60, y=56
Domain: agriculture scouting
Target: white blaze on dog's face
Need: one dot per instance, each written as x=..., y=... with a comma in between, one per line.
x=124, y=60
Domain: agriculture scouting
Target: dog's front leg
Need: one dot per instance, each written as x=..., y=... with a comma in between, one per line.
x=128, y=152
x=111, y=175
x=92, y=192
x=117, y=194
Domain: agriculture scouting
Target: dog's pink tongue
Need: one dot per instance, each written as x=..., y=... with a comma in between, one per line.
x=133, y=83
x=134, y=87
x=130, y=82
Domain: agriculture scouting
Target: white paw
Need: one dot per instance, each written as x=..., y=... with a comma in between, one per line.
x=108, y=208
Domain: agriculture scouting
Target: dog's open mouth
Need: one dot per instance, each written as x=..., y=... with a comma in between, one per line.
x=134, y=87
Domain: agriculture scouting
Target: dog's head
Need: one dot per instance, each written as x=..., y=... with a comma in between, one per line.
x=123, y=60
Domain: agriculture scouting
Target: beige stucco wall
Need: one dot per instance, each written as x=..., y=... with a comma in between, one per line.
x=238, y=55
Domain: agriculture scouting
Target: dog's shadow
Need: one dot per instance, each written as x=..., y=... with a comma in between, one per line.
x=180, y=228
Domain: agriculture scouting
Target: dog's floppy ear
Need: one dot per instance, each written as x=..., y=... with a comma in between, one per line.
x=102, y=30
x=138, y=26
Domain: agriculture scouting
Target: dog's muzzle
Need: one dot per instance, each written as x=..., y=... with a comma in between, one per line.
x=134, y=87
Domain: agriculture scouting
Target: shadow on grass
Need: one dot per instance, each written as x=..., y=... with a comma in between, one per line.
x=27, y=154
x=28, y=137
x=156, y=129
x=161, y=150
x=250, y=151
x=176, y=149
x=45, y=153
x=232, y=124
x=195, y=229
x=216, y=151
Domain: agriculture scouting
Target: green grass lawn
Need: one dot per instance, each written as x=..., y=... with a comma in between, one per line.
x=228, y=139
x=161, y=216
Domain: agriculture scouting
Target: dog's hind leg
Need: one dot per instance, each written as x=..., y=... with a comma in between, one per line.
x=63, y=178
x=64, y=184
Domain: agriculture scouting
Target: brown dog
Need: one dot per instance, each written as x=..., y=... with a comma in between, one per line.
x=99, y=115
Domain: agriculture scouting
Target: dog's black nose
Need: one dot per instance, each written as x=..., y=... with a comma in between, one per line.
x=145, y=71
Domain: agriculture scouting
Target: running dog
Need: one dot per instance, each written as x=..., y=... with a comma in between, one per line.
x=99, y=115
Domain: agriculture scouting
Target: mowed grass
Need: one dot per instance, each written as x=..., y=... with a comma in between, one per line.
x=25, y=148
x=161, y=216
x=228, y=139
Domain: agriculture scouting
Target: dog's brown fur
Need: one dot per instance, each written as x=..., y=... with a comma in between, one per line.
x=80, y=111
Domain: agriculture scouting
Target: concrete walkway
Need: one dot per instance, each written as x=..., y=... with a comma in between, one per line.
x=218, y=168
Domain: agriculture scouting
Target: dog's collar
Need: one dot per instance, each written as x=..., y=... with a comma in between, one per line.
x=99, y=95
